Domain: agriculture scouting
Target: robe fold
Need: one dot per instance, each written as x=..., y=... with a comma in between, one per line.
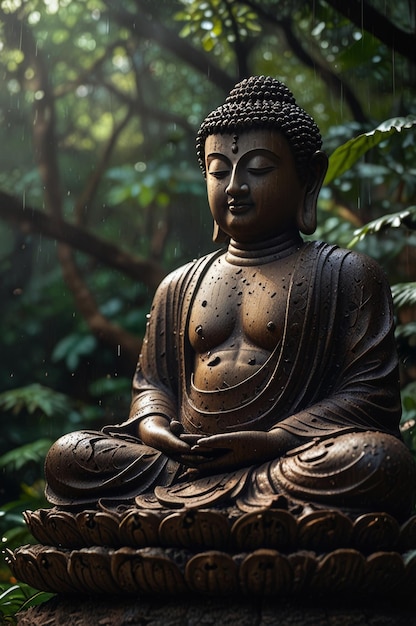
x=331, y=381
x=334, y=371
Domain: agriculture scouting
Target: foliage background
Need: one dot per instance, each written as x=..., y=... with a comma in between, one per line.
x=100, y=193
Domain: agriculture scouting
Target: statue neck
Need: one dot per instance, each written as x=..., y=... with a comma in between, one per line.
x=261, y=252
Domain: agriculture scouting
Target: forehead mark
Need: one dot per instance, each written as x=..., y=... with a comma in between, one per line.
x=234, y=147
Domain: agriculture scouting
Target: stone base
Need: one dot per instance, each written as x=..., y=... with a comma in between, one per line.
x=267, y=553
x=203, y=611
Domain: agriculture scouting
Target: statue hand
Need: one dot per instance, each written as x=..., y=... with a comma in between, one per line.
x=155, y=431
x=233, y=450
x=244, y=448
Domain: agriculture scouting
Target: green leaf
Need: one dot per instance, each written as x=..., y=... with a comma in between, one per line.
x=110, y=386
x=405, y=218
x=34, y=452
x=344, y=157
x=406, y=330
x=404, y=294
x=34, y=398
x=72, y=347
x=186, y=30
x=146, y=195
x=14, y=598
x=163, y=199
x=208, y=42
x=217, y=27
x=358, y=53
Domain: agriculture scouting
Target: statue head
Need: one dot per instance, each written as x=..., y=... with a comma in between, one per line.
x=262, y=102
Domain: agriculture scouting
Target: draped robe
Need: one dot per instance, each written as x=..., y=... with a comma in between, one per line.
x=332, y=381
x=334, y=370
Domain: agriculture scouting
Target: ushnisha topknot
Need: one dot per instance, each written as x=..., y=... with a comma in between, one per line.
x=263, y=102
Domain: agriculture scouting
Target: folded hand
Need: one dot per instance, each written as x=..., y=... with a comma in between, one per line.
x=233, y=450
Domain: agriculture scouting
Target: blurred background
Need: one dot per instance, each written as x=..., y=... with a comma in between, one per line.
x=101, y=195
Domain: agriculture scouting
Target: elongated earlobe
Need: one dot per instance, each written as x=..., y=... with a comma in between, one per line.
x=306, y=217
x=219, y=236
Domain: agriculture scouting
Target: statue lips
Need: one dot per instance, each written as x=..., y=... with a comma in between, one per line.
x=236, y=208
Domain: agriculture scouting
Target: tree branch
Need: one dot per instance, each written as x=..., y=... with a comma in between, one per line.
x=239, y=49
x=31, y=220
x=141, y=26
x=45, y=143
x=87, y=196
x=126, y=344
x=85, y=76
x=334, y=82
x=366, y=17
x=166, y=117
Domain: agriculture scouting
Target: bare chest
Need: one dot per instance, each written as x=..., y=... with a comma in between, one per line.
x=239, y=306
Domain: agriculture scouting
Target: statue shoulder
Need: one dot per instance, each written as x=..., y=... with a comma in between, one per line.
x=361, y=278
x=352, y=274
x=350, y=262
x=187, y=272
x=362, y=266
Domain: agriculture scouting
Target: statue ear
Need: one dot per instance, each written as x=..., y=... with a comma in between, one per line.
x=219, y=236
x=306, y=217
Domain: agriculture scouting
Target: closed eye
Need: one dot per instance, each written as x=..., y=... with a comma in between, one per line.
x=219, y=174
x=260, y=171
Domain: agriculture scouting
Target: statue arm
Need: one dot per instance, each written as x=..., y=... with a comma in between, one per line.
x=154, y=406
x=358, y=385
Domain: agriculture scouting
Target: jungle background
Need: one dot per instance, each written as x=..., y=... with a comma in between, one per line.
x=101, y=195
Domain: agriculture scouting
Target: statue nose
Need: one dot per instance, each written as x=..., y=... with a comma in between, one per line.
x=236, y=187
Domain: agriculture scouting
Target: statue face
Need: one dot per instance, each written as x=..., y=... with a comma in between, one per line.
x=253, y=187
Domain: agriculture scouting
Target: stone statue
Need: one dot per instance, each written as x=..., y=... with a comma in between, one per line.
x=262, y=455
x=268, y=372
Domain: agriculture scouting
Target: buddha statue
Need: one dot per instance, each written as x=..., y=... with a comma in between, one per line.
x=268, y=371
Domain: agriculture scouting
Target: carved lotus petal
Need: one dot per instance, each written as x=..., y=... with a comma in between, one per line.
x=266, y=572
x=341, y=571
x=375, y=531
x=24, y=565
x=99, y=528
x=384, y=573
x=43, y=568
x=212, y=572
x=53, y=564
x=122, y=569
x=324, y=531
x=270, y=528
x=35, y=521
x=195, y=529
x=62, y=529
x=139, y=529
x=90, y=570
x=303, y=565
x=147, y=571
